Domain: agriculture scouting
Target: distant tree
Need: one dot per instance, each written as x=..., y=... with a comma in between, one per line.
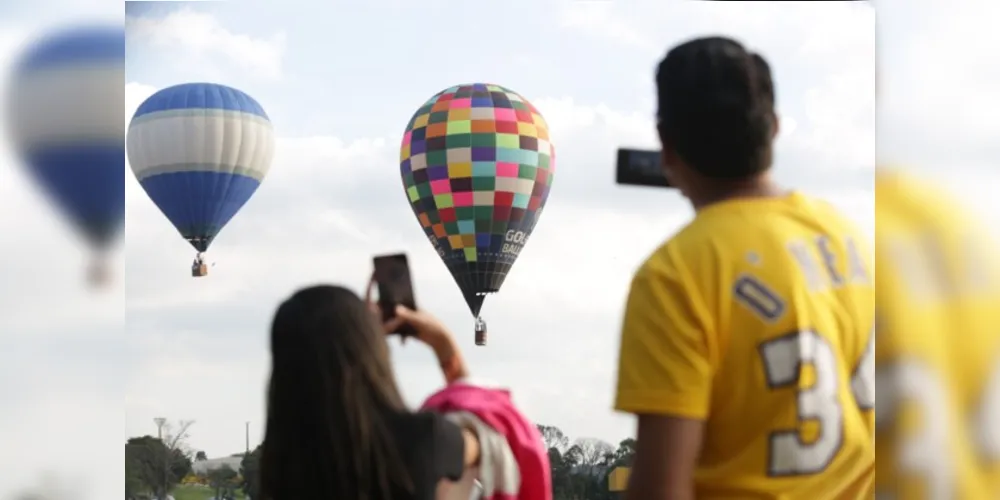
x=221, y=480
x=625, y=453
x=200, y=456
x=553, y=437
x=250, y=473
x=593, y=452
x=134, y=484
x=154, y=465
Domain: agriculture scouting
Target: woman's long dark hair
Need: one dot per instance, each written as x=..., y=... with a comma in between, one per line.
x=331, y=399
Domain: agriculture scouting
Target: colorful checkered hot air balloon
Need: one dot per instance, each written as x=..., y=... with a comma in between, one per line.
x=477, y=167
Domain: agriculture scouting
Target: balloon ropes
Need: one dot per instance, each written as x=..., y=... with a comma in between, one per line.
x=65, y=121
x=200, y=151
x=477, y=166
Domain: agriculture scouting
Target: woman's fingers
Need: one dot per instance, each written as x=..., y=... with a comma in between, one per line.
x=393, y=324
x=408, y=314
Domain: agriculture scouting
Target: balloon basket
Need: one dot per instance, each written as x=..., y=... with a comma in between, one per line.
x=98, y=275
x=199, y=270
x=480, y=338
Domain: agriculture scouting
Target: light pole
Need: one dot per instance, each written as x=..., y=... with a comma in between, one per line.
x=248, y=437
x=160, y=423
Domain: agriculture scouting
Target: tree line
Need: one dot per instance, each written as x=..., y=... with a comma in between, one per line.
x=155, y=466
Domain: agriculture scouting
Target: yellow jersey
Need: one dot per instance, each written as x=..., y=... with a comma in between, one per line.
x=758, y=318
x=938, y=347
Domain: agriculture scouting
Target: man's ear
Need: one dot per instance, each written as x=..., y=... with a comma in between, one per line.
x=667, y=153
x=775, y=125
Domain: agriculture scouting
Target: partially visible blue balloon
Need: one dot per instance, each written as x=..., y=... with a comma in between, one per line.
x=66, y=120
x=200, y=150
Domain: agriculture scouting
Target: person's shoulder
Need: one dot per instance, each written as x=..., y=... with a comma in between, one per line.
x=423, y=432
x=429, y=425
x=422, y=422
x=700, y=238
x=823, y=209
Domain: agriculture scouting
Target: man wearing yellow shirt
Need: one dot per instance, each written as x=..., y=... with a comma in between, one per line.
x=747, y=348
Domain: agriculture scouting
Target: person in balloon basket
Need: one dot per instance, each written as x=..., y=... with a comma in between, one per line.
x=337, y=426
x=747, y=343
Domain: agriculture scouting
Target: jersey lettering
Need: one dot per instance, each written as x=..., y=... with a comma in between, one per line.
x=760, y=299
x=863, y=381
x=813, y=274
x=821, y=267
x=856, y=268
x=829, y=260
x=783, y=359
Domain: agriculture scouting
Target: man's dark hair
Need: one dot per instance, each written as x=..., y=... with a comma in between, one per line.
x=716, y=107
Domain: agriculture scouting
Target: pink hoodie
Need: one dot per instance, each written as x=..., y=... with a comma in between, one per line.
x=495, y=408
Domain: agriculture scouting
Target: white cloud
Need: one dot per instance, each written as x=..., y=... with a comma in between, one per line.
x=938, y=83
x=598, y=19
x=328, y=205
x=197, y=38
x=822, y=55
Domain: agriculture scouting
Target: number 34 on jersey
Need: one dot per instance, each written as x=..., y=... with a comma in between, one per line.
x=824, y=266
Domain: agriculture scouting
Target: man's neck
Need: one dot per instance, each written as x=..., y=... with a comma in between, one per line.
x=758, y=187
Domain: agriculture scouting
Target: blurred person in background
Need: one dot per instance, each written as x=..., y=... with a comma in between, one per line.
x=747, y=343
x=337, y=426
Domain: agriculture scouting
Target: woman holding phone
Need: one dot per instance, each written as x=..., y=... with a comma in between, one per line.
x=337, y=426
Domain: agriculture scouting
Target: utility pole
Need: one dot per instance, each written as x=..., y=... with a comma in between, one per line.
x=248, y=437
x=160, y=423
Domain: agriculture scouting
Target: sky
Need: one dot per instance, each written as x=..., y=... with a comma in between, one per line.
x=340, y=83
x=333, y=196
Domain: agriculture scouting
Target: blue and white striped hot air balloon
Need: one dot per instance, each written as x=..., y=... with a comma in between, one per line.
x=200, y=151
x=65, y=119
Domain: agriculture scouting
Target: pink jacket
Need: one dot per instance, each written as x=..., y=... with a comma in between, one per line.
x=523, y=443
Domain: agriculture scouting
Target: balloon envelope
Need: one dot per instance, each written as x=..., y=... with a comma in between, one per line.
x=200, y=151
x=65, y=119
x=477, y=166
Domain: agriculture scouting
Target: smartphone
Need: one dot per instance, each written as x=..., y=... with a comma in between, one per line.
x=640, y=167
x=395, y=287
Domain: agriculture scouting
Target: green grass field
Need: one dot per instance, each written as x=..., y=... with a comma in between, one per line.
x=197, y=493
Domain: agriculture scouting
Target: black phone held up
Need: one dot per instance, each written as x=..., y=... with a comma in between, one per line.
x=640, y=167
x=395, y=287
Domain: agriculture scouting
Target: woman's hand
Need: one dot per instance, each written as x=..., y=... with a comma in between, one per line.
x=428, y=330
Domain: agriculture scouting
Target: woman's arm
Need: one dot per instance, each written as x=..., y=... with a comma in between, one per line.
x=450, y=358
x=431, y=332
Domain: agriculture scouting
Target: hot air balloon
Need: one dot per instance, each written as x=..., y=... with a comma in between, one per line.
x=200, y=151
x=66, y=121
x=477, y=166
